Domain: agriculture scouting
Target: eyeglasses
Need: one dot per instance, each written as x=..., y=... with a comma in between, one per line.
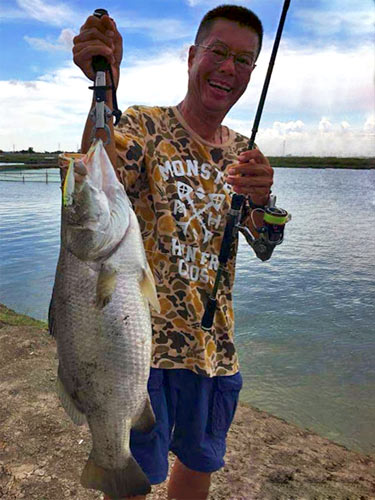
x=219, y=53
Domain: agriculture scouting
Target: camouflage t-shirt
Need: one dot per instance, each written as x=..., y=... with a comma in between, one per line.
x=175, y=180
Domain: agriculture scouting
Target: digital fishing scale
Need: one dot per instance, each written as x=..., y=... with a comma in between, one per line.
x=271, y=233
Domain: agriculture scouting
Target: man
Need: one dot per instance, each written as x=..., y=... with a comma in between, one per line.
x=179, y=165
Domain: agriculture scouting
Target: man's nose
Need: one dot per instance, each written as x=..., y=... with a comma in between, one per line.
x=228, y=65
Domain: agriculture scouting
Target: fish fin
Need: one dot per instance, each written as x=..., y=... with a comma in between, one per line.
x=106, y=285
x=116, y=483
x=146, y=420
x=68, y=185
x=148, y=288
x=51, y=318
x=68, y=404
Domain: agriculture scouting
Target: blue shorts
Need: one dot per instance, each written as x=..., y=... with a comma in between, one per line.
x=193, y=415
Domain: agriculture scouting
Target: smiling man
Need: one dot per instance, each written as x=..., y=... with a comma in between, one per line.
x=179, y=166
x=220, y=67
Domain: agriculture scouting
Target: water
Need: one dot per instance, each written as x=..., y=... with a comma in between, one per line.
x=304, y=320
x=29, y=245
x=46, y=175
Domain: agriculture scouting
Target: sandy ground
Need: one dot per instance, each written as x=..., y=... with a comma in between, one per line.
x=42, y=453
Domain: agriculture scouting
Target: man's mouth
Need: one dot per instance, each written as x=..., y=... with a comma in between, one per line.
x=220, y=85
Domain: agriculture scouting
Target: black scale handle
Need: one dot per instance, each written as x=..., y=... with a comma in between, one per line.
x=100, y=63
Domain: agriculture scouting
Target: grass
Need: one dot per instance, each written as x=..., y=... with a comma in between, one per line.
x=30, y=160
x=321, y=162
x=46, y=160
x=10, y=317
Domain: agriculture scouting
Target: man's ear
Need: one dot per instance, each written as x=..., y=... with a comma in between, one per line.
x=192, y=52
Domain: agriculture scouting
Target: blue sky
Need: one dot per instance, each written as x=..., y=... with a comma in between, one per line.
x=320, y=101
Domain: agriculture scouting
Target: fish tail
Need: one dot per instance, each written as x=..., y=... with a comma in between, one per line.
x=116, y=483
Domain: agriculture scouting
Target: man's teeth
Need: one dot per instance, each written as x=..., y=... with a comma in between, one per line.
x=220, y=86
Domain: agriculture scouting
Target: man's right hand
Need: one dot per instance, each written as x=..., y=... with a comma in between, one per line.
x=98, y=37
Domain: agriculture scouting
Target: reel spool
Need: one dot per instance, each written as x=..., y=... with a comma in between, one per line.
x=270, y=234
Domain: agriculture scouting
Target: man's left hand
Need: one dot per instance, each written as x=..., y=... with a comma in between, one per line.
x=252, y=176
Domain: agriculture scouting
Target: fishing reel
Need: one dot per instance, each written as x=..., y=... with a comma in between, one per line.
x=271, y=233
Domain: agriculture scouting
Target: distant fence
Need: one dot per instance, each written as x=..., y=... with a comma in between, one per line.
x=42, y=175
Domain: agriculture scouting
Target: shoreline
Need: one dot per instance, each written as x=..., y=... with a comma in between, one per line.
x=45, y=161
x=18, y=319
x=42, y=453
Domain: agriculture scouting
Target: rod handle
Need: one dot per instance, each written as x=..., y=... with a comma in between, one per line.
x=209, y=313
x=230, y=227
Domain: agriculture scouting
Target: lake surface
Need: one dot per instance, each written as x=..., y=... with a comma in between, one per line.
x=304, y=320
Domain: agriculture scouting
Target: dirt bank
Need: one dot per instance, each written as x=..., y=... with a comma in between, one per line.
x=42, y=453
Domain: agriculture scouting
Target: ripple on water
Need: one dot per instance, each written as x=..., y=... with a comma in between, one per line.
x=304, y=319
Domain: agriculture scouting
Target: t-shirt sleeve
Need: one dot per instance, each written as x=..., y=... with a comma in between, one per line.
x=130, y=141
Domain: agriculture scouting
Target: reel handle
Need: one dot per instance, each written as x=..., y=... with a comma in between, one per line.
x=100, y=63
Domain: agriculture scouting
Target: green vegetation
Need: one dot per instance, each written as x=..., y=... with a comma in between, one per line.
x=321, y=162
x=10, y=317
x=50, y=160
x=30, y=160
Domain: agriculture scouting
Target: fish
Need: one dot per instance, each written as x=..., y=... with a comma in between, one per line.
x=100, y=316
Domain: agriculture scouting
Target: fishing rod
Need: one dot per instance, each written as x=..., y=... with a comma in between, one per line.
x=101, y=113
x=272, y=232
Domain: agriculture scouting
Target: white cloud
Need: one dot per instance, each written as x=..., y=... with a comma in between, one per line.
x=159, y=80
x=325, y=125
x=337, y=21
x=345, y=126
x=56, y=14
x=60, y=14
x=292, y=126
x=64, y=42
x=160, y=29
x=369, y=125
x=194, y=3
x=300, y=115
x=321, y=138
x=11, y=14
x=317, y=81
x=51, y=110
x=324, y=138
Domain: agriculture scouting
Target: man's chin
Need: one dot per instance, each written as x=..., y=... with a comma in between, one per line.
x=217, y=105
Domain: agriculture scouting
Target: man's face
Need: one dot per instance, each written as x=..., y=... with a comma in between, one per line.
x=217, y=87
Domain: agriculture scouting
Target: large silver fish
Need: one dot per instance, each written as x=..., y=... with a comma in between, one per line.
x=99, y=315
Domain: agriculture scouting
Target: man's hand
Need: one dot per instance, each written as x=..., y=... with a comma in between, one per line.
x=98, y=37
x=252, y=176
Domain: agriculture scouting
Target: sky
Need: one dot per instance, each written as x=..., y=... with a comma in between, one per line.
x=320, y=102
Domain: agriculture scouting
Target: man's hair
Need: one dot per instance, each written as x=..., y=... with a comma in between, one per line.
x=241, y=15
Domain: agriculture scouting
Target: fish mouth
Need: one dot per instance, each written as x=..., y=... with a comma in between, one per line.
x=220, y=85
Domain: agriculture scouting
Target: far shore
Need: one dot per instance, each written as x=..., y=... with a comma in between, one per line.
x=50, y=160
